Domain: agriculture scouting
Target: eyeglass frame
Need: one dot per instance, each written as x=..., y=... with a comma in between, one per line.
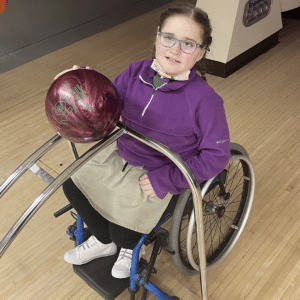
x=159, y=33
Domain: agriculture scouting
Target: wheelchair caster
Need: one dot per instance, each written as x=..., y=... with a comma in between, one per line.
x=175, y=298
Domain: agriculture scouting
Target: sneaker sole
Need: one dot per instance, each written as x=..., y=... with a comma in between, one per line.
x=74, y=262
x=118, y=275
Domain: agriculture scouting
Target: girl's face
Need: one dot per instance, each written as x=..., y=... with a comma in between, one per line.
x=173, y=60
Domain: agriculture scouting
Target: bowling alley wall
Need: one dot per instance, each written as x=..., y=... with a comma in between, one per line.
x=31, y=29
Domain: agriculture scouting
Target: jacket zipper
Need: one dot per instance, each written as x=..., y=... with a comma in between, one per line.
x=148, y=102
x=143, y=113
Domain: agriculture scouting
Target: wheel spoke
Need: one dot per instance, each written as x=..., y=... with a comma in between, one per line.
x=221, y=231
x=226, y=221
x=228, y=218
x=237, y=169
x=240, y=184
x=221, y=215
x=212, y=232
x=213, y=237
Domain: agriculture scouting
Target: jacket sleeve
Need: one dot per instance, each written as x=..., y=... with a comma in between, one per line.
x=121, y=83
x=213, y=147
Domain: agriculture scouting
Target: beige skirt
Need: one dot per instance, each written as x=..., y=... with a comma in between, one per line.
x=116, y=194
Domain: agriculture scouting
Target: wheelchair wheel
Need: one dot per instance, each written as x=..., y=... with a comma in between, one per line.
x=226, y=202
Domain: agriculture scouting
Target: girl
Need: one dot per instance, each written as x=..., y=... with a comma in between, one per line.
x=123, y=191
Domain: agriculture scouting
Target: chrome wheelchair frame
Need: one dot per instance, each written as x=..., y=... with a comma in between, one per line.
x=197, y=224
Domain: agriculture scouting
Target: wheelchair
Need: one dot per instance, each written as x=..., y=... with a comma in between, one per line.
x=198, y=229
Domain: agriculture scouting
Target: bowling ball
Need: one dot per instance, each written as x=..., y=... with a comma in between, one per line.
x=82, y=106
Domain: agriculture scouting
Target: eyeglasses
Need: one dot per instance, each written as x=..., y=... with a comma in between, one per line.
x=186, y=46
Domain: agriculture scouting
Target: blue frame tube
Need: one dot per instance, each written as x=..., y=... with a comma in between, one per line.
x=135, y=257
x=153, y=289
x=80, y=231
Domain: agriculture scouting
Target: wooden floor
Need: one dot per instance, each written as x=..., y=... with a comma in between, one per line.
x=262, y=102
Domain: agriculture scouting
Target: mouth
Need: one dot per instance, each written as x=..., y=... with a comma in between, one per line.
x=172, y=60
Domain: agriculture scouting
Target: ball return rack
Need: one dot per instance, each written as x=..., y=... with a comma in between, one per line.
x=90, y=275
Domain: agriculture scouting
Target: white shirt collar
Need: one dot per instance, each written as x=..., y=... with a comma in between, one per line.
x=156, y=67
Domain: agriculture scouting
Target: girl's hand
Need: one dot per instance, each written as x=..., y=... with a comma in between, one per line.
x=75, y=67
x=146, y=186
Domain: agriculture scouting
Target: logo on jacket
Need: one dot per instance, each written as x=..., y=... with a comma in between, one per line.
x=222, y=141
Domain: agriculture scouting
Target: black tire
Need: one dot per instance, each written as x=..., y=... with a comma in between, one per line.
x=225, y=212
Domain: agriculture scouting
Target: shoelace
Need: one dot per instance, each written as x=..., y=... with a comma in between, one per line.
x=125, y=253
x=85, y=245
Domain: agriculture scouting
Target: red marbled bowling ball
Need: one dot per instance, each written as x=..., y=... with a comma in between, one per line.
x=82, y=106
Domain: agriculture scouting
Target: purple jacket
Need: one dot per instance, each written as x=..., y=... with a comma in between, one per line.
x=187, y=116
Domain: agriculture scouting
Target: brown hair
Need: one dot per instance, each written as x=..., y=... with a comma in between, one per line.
x=200, y=17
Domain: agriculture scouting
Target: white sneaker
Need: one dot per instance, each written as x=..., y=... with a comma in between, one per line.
x=89, y=250
x=121, y=268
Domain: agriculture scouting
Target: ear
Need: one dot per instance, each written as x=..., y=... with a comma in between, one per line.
x=201, y=54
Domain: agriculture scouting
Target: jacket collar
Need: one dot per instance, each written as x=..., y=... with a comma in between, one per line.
x=157, y=67
x=147, y=73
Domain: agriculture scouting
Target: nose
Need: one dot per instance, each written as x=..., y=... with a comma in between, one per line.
x=176, y=48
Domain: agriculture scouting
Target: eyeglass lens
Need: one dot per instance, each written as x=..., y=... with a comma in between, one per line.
x=169, y=41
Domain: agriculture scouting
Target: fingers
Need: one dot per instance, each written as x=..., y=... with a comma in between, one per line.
x=144, y=180
x=61, y=73
x=145, y=176
x=75, y=67
x=84, y=67
x=146, y=186
x=149, y=193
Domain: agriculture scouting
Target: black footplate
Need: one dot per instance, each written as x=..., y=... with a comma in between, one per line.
x=97, y=274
